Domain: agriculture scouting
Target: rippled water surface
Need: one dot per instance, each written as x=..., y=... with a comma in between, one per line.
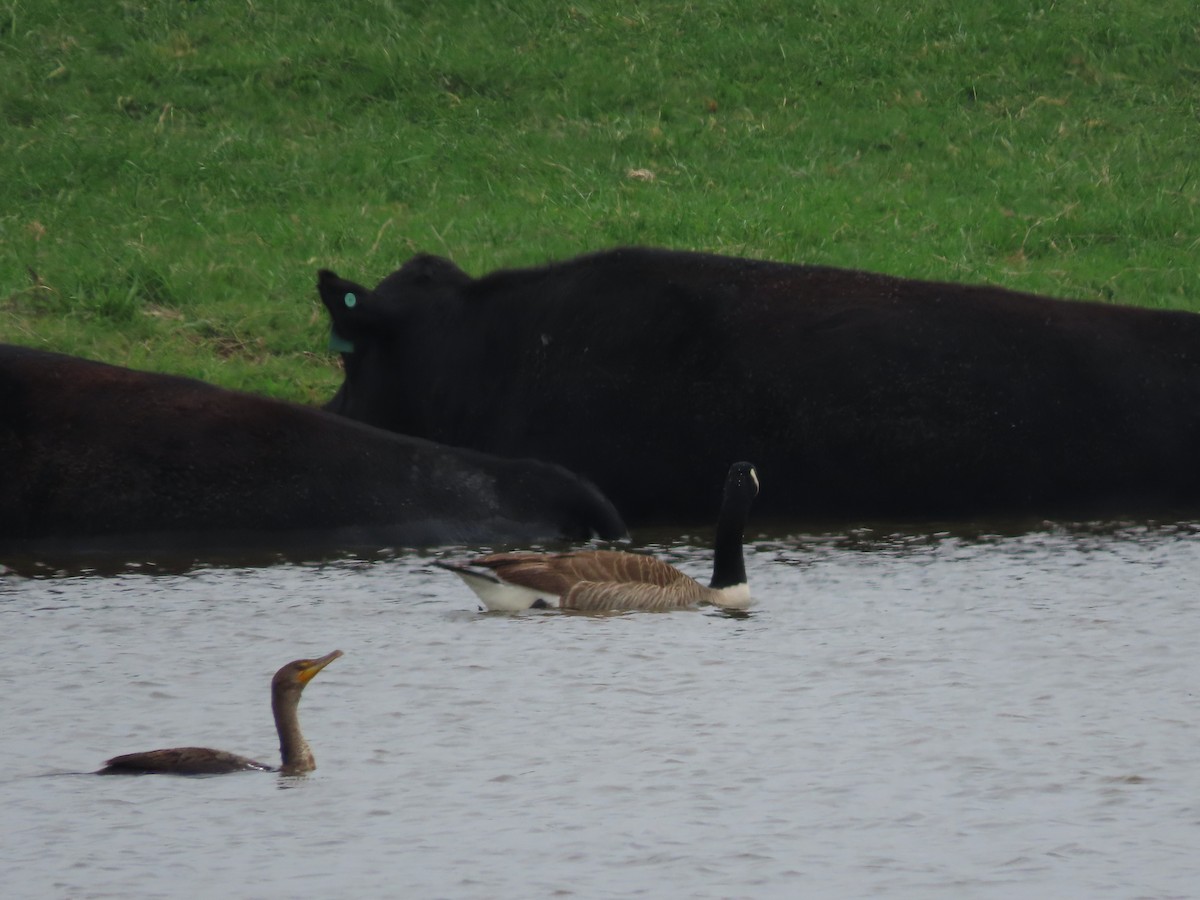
x=925, y=715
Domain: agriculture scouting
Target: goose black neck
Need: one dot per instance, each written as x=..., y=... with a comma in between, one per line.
x=729, y=564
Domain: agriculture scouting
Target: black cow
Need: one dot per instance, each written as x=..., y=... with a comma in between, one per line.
x=95, y=458
x=856, y=394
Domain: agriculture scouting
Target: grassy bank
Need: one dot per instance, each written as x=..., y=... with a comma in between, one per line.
x=175, y=172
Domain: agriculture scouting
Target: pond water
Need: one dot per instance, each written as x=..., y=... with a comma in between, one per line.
x=919, y=714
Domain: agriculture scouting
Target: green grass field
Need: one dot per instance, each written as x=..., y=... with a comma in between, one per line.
x=175, y=172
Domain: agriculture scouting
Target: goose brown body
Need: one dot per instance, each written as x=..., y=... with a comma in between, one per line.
x=597, y=580
x=296, y=757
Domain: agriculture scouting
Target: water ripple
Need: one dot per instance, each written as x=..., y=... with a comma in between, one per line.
x=987, y=712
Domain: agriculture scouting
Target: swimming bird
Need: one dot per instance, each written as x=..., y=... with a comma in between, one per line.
x=286, y=688
x=596, y=580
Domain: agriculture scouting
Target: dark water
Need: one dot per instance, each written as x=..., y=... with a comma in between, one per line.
x=915, y=715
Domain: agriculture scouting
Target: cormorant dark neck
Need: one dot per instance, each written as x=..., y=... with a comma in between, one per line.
x=293, y=749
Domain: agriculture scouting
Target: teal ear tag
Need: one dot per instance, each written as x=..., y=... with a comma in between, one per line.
x=337, y=343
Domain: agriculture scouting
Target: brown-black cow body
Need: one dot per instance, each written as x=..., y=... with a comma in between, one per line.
x=856, y=394
x=96, y=458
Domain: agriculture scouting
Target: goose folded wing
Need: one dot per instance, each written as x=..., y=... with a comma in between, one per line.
x=555, y=573
x=592, y=596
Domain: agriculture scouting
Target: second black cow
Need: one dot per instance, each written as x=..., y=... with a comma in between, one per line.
x=856, y=394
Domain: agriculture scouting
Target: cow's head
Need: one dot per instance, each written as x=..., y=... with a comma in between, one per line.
x=372, y=329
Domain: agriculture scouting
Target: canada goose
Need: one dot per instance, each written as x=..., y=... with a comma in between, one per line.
x=597, y=580
x=297, y=758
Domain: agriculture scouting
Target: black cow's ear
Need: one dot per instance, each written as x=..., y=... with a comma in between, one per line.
x=330, y=285
x=354, y=310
